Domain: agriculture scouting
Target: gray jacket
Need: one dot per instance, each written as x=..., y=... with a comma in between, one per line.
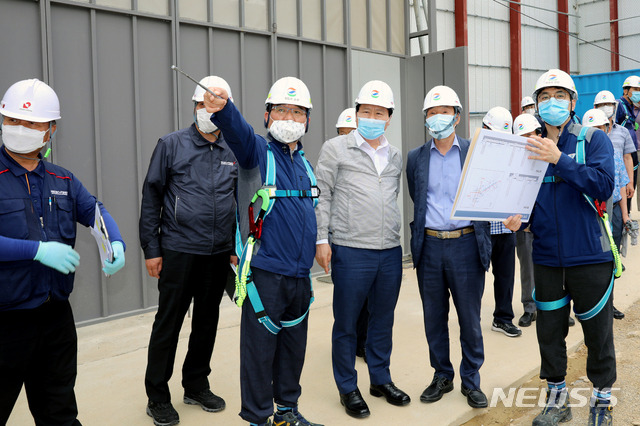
x=358, y=207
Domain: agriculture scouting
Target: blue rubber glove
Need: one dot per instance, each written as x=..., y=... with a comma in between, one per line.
x=61, y=257
x=111, y=268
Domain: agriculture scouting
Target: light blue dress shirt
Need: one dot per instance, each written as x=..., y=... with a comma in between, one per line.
x=444, y=176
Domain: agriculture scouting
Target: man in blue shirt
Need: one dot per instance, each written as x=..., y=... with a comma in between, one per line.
x=451, y=256
x=627, y=116
x=40, y=204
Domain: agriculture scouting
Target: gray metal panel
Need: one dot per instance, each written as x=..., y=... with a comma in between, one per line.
x=194, y=60
x=118, y=153
x=19, y=62
x=258, y=80
x=336, y=89
x=456, y=76
x=287, y=60
x=312, y=76
x=225, y=60
x=75, y=147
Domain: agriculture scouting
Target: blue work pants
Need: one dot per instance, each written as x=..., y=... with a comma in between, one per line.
x=271, y=364
x=453, y=266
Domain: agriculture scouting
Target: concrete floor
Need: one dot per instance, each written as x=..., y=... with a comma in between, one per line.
x=112, y=361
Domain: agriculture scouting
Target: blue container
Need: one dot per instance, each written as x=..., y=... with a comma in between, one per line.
x=589, y=85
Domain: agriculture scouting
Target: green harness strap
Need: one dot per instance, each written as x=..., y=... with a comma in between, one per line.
x=268, y=194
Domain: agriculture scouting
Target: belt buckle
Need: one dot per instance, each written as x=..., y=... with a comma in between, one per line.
x=442, y=235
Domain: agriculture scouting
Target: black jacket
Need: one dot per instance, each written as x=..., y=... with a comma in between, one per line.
x=188, y=196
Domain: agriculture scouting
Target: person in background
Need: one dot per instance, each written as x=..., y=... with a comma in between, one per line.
x=187, y=224
x=528, y=105
x=346, y=121
x=40, y=204
x=627, y=116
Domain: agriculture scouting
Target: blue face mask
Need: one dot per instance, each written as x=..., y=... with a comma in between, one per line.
x=441, y=125
x=370, y=128
x=553, y=111
x=635, y=97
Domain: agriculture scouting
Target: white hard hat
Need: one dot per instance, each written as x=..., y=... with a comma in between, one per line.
x=498, y=119
x=289, y=90
x=594, y=117
x=31, y=100
x=604, y=97
x=556, y=78
x=376, y=92
x=631, y=81
x=525, y=123
x=526, y=101
x=211, y=81
x=442, y=96
x=347, y=118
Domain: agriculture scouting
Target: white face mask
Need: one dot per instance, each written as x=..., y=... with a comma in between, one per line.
x=531, y=111
x=204, y=121
x=22, y=140
x=287, y=131
x=607, y=109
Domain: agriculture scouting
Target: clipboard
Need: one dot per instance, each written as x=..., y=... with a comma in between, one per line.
x=101, y=235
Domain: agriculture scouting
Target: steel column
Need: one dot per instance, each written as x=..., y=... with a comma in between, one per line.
x=461, y=23
x=563, y=36
x=613, y=30
x=515, y=47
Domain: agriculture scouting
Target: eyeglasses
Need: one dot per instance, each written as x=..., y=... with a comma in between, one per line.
x=282, y=111
x=559, y=95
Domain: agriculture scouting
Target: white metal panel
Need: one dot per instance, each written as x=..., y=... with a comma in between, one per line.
x=592, y=59
x=630, y=46
x=488, y=42
x=488, y=87
x=488, y=9
x=446, y=28
x=629, y=33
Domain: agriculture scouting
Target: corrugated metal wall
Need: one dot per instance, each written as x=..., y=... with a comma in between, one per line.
x=594, y=27
x=629, y=33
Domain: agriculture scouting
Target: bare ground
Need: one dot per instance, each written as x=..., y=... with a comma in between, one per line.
x=627, y=408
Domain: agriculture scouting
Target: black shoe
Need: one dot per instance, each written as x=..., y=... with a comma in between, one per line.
x=354, y=405
x=507, y=328
x=205, y=399
x=572, y=322
x=162, y=413
x=527, y=318
x=393, y=395
x=475, y=397
x=617, y=314
x=438, y=387
x=362, y=353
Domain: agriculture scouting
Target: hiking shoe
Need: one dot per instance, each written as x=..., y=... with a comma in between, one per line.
x=205, y=399
x=600, y=416
x=507, y=328
x=292, y=418
x=555, y=411
x=527, y=318
x=162, y=413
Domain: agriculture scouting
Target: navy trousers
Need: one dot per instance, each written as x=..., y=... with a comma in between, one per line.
x=503, y=265
x=271, y=364
x=359, y=274
x=38, y=348
x=524, y=248
x=185, y=277
x=453, y=266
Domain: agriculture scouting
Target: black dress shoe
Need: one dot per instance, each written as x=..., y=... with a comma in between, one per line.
x=527, y=318
x=617, y=314
x=354, y=405
x=393, y=395
x=438, y=387
x=572, y=322
x=475, y=397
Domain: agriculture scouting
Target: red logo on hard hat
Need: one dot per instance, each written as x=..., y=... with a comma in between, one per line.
x=26, y=105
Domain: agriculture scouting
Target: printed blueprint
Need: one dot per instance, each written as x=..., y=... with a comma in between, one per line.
x=498, y=180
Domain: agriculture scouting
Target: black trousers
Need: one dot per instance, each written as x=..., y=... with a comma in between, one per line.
x=503, y=266
x=185, y=277
x=38, y=348
x=586, y=284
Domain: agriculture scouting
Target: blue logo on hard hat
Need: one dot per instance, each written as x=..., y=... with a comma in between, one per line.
x=375, y=94
x=291, y=91
x=348, y=119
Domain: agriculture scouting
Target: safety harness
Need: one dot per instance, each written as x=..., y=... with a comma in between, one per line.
x=627, y=116
x=268, y=194
x=600, y=209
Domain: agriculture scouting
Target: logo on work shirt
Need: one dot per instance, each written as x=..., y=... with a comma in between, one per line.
x=572, y=155
x=228, y=163
x=55, y=192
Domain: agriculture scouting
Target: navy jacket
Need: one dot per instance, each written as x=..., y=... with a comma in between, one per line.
x=418, y=179
x=188, y=196
x=288, y=243
x=624, y=114
x=566, y=229
x=42, y=205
